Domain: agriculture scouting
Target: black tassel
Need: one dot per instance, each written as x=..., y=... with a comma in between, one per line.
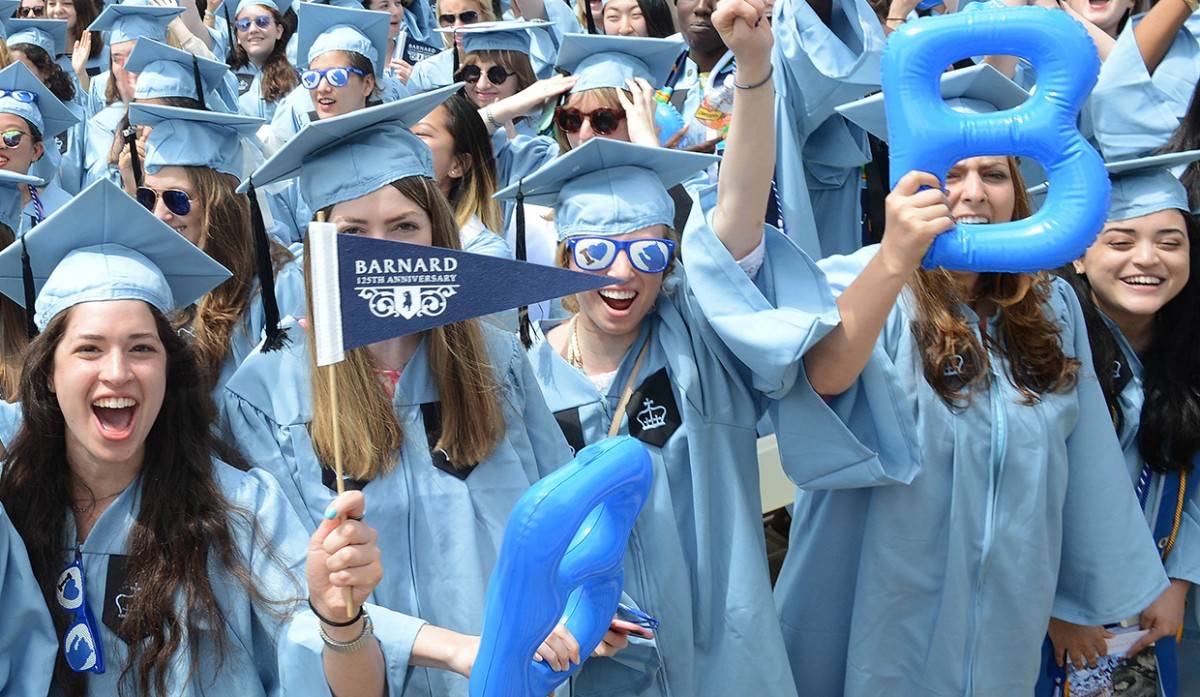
x=199, y=82
x=523, y=324
x=454, y=47
x=591, y=21
x=134, y=161
x=30, y=292
x=276, y=338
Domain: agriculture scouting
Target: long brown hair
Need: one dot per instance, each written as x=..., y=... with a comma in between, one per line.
x=13, y=335
x=953, y=359
x=185, y=523
x=471, y=194
x=278, y=76
x=86, y=12
x=472, y=419
x=225, y=236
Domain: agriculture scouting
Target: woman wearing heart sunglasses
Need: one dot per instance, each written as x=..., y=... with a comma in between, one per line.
x=117, y=456
x=261, y=54
x=677, y=356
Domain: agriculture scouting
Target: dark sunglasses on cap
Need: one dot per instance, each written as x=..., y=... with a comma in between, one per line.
x=176, y=201
x=260, y=21
x=12, y=138
x=649, y=255
x=336, y=76
x=495, y=74
x=604, y=119
x=82, y=647
x=468, y=17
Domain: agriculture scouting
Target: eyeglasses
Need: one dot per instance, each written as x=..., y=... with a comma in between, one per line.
x=468, y=17
x=260, y=21
x=20, y=95
x=495, y=74
x=176, y=201
x=28, y=12
x=650, y=255
x=12, y=138
x=337, y=77
x=81, y=644
x=604, y=119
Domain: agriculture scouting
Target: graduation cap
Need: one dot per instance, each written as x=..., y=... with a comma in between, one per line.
x=980, y=89
x=609, y=187
x=45, y=113
x=50, y=35
x=325, y=28
x=103, y=245
x=506, y=35
x=194, y=138
x=7, y=8
x=609, y=61
x=280, y=6
x=130, y=22
x=164, y=71
x=341, y=159
x=603, y=187
x=1144, y=185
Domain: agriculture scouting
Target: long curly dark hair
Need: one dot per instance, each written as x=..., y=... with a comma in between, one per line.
x=184, y=523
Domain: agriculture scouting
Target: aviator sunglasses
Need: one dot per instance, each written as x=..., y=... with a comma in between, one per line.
x=649, y=255
x=468, y=17
x=260, y=21
x=495, y=74
x=337, y=76
x=176, y=201
x=604, y=119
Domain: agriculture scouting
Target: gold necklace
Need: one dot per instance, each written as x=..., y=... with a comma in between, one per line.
x=574, y=353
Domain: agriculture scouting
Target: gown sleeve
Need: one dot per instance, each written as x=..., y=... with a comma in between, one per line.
x=28, y=643
x=1110, y=567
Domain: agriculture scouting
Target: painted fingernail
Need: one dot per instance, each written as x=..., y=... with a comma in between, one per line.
x=330, y=513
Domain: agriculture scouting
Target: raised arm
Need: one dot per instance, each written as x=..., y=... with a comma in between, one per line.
x=744, y=184
x=1157, y=30
x=914, y=218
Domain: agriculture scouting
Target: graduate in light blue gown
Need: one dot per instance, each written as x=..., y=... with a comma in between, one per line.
x=447, y=427
x=30, y=117
x=684, y=358
x=1134, y=283
x=502, y=49
x=262, y=51
x=14, y=326
x=193, y=163
x=1000, y=498
x=164, y=73
x=167, y=570
x=27, y=643
x=820, y=63
x=125, y=24
x=353, y=43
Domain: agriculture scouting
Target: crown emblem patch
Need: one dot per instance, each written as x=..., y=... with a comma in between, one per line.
x=652, y=411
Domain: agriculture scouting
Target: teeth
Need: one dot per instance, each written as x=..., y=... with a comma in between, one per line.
x=114, y=403
x=972, y=219
x=1143, y=280
x=619, y=294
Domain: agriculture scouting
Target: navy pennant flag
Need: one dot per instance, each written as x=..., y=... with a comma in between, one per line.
x=366, y=290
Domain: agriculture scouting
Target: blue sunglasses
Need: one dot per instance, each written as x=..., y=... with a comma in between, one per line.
x=260, y=21
x=650, y=255
x=337, y=77
x=81, y=644
x=20, y=95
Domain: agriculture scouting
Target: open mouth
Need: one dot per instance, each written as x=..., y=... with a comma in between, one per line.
x=326, y=103
x=1142, y=282
x=115, y=416
x=619, y=300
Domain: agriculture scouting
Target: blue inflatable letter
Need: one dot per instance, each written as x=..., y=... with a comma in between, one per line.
x=560, y=562
x=927, y=135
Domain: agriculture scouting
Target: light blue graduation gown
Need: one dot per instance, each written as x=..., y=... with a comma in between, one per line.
x=696, y=557
x=420, y=22
x=439, y=530
x=98, y=141
x=820, y=154
x=251, y=102
x=433, y=72
x=28, y=645
x=1134, y=113
x=289, y=297
x=294, y=111
x=266, y=654
x=53, y=197
x=942, y=578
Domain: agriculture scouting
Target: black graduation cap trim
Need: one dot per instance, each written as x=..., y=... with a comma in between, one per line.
x=522, y=311
x=199, y=82
x=135, y=162
x=591, y=20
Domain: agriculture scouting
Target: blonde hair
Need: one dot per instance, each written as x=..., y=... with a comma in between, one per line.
x=604, y=97
x=472, y=418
